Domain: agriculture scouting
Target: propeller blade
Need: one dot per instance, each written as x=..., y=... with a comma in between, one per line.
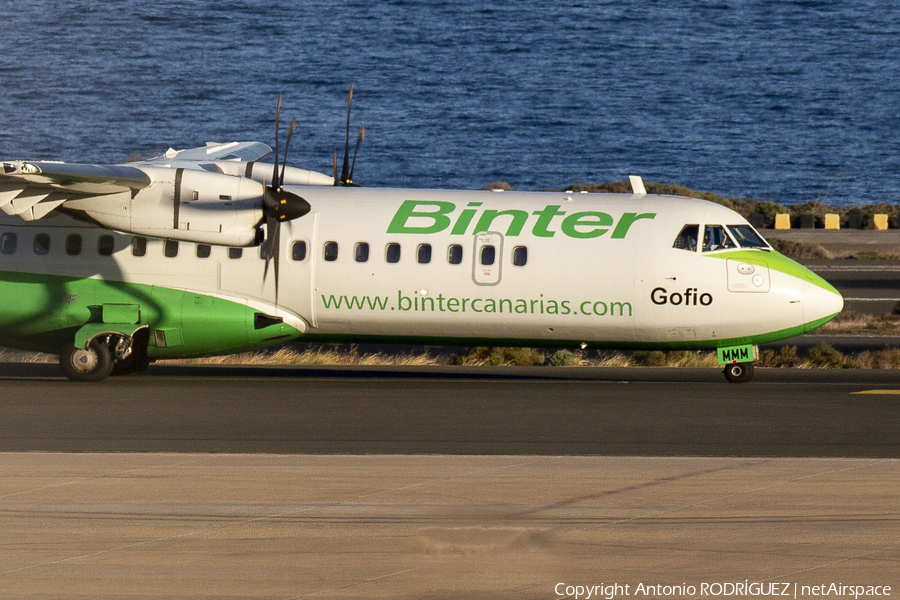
x=286, y=145
x=334, y=162
x=271, y=228
x=359, y=139
x=345, y=170
x=280, y=205
x=277, y=243
x=277, y=120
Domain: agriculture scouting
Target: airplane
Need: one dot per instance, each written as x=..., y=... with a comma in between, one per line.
x=207, y=251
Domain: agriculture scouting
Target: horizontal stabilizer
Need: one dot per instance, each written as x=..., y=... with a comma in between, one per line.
x=232, y=151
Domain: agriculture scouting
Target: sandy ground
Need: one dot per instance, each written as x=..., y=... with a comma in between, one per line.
x=263, y=526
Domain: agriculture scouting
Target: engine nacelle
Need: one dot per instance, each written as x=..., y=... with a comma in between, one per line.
x=184, y=204
x=263, y=172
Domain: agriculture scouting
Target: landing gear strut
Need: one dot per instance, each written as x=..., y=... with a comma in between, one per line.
x=131, y=354
x=739, y=372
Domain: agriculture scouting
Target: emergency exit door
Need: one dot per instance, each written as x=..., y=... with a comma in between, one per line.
x=487, y=258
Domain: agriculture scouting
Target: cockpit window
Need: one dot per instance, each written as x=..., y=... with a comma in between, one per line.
x=687, y=239
x=747, y=237
x=715, y=238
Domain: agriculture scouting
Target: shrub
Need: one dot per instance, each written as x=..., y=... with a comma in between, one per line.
x=825, y=356
x=786, y=357
x=563, y=358
x=491, y=356
x=888, y=358
x=649, y=358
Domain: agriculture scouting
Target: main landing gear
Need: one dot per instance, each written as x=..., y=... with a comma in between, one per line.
x=94, y=363
x=105, y=355
x=740, y=372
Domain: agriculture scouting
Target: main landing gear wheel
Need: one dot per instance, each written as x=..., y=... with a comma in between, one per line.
x=93, y=364
x=739, y=372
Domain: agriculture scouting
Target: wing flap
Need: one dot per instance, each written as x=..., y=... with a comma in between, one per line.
x=21, y=204
x=8, y=193
x=42, y=209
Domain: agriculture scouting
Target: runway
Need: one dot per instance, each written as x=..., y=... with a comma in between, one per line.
x=454, y=410
x=868, y=286
x=428, y=483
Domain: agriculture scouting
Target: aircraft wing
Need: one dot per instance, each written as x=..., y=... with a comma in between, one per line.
x=129, y=197
x=33, y=189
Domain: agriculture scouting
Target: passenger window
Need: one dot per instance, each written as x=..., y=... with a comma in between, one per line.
x=139, y=246
x=170, y=249
x=8, y=243
x=298, y=251
x=520, y=256
x=423, y=254
x=42, y=244
x=73, y=244
x=392, y=252
x=331, y=251
x=455, y=254
x=362, y=252
x=204, y=250
x=235, y=253
x=715, y=238
x=687, y=239
x=488, y=255
x=262, y=250
x=105, y=245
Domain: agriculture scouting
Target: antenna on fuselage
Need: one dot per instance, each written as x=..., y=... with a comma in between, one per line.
x=637, y=185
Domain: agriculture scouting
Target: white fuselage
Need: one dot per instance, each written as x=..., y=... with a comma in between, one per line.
x=568, y=268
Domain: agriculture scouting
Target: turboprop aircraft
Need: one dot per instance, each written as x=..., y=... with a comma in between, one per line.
x=114, y=266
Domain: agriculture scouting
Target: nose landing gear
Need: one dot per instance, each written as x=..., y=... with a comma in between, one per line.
x=740, y=372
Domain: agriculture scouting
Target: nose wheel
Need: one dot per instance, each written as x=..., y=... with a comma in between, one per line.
x=739, y=372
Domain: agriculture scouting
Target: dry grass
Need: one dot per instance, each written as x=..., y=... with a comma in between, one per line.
x=887, y=358
x=8, y=355
x=822, y=356
x=800, y=250
x=314, y=356
x=853, y=322
x=674, y=358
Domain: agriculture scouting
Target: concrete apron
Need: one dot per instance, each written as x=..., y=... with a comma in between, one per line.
x=264, y=526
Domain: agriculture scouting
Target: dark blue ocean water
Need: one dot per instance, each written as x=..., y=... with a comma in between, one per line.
x=783, y=100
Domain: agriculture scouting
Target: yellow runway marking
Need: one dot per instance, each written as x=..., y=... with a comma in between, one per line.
x=895, y=392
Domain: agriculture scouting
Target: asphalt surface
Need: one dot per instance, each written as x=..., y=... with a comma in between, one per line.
x=441, y=482
x=871, y=287
x=447, y=410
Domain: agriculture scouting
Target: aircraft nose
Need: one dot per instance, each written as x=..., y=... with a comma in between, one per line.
x=822, y=302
